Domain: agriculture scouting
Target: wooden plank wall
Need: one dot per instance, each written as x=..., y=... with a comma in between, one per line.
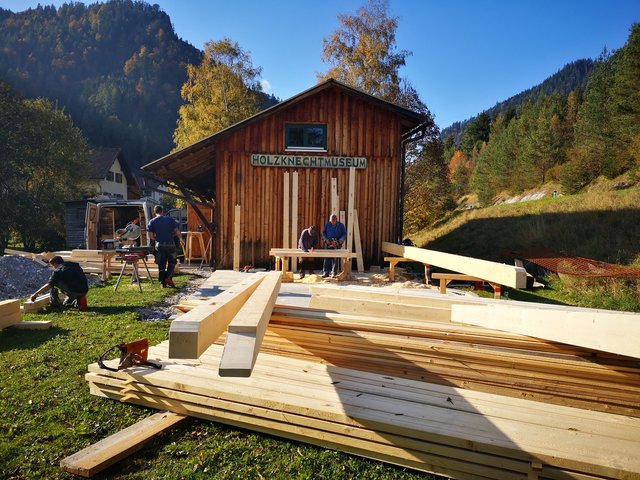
x=354, y=128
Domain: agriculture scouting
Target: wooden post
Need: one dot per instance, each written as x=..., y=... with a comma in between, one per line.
x=350, y=207
x=285, y=217
x=236, y=239
x=294, y=218
x=358, y=242
x=334, y=196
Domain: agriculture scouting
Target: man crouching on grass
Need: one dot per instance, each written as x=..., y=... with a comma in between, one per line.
x=70, y=279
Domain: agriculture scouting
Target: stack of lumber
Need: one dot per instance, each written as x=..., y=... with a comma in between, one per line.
x=10, y=316
x=436, y=428
x=460, y=355
x=457, y=400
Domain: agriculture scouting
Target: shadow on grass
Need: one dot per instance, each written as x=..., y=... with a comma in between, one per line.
x=18, y=339
x=609, y=236
x=526, y=296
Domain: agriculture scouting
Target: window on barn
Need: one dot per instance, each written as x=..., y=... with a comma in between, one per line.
x=118, y=178
x=110, y=176
x=305, y=136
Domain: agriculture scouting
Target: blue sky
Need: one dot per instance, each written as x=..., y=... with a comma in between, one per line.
x=467, y=55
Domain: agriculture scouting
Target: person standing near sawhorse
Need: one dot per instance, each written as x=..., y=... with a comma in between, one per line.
x=162, y=230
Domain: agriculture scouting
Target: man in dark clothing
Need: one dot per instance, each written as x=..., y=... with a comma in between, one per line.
x=334, y=235
x=70, y=279
x=307, y=243
x=162, y=231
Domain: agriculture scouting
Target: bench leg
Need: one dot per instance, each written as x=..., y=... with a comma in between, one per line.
x=497, y=290
x=427, y=273
x=392, y=270
x=346, y=269
x=443, y=285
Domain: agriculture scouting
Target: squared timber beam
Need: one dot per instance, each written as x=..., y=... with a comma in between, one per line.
x=9, y=313
x=605, y=330
x=502, y=274
x=247, y=329
x=192, y=333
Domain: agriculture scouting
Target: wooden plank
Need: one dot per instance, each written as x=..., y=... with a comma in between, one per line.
x=334, y=196
x=36, y=305
x=9, y=313
x=236, y=238
x=247, y=329
x=609, y=331
x=285, y=221
x=350, y=208
x=294, y=218
x=320, y=253
x=379, y=308
x=106, y=452
x=511, y=276
x=358, y=242
x=34, y=325
x=192, y=333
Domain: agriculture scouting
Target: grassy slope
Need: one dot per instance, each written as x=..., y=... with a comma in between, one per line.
x=600, y=224
x=47, y=413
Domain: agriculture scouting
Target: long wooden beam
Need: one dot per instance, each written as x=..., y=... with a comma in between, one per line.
x=246, y=330
x=609, y=331
x=106, y=452
x=508, y=275
x=192, y=333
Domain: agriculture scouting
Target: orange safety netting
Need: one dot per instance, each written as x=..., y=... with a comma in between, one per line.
x=578, y=266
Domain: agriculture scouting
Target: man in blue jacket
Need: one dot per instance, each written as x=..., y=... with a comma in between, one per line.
x=334, y=234
x=162, y=230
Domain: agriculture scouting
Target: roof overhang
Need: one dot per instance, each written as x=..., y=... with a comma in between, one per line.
x=193, y=167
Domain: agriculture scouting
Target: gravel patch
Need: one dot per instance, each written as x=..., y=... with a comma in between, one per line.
x=20, y=277
x=165, y=311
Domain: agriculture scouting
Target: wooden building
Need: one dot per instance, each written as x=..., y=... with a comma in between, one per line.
x=320, y=134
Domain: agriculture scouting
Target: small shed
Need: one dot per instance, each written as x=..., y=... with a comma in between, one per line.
x=320, y=134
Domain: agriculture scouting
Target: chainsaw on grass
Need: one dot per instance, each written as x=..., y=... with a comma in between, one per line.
x=131, y=354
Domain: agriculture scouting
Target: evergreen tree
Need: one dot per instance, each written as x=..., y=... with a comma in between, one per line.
x=476, y=132
x=593, y=151
x=625, y=101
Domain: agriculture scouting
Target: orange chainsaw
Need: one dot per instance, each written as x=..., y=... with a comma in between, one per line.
x=131, y=354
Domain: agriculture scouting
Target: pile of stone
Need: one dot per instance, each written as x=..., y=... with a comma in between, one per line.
x=20, y=277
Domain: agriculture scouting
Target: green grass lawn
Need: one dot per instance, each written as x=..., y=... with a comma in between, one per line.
x=47, y=413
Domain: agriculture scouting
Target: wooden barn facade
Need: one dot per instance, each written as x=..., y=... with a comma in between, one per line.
x=320, y=134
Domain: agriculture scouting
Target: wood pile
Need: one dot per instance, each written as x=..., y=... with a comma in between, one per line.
x=458, y=400
x=11, y=316
x=102, y=262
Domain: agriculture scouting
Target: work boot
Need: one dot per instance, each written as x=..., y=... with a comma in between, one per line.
x=301, y=275
x=325, y=274
x=169, y=283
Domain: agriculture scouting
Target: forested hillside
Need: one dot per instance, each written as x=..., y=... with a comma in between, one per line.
x=569, y=78
x=567, y=140
x=115, y=67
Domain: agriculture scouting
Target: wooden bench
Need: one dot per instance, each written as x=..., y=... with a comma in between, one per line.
x=445, y=278
x=283, y=255
x=393, y=261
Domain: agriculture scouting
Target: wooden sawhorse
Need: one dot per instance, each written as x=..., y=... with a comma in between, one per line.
x=393, y=261
x=445, y=278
